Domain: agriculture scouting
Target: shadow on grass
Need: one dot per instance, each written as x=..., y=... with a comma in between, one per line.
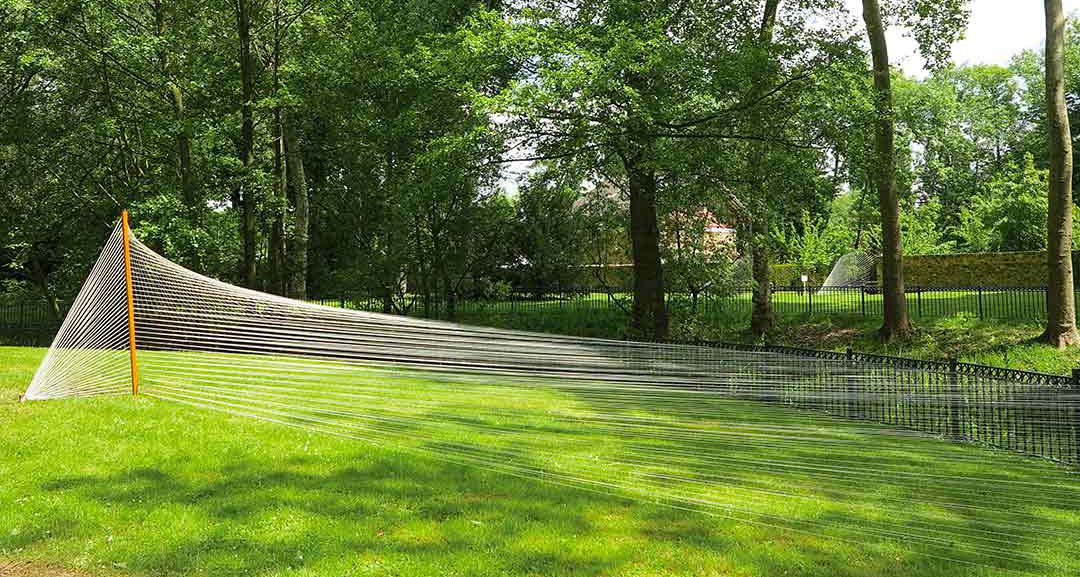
x=192, y=492
x=946, y=505
x=425, y=517
x=383, y=509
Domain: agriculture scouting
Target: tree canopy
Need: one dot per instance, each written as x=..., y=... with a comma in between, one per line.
x=361, y=147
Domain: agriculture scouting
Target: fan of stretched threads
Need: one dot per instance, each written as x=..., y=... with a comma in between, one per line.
x=852, y=269
x=761, y=438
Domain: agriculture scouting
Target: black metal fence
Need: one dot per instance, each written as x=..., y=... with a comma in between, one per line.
x=27, y=323
x=1032, y=413
x=1036, y=414
x=1016, y=303
x=26, y=315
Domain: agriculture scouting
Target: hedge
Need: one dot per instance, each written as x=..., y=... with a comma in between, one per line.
x=791, y=275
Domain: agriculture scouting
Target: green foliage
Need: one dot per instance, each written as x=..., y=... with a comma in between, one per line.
x=550, y=235
x=815, y=245
x=1015, y=207
x=922, y=233
x=696, y=259
x=964, y=125
x=166, y=225
x=1009, y=214
x=973, y=233
x=936, y=24
x=406, y=112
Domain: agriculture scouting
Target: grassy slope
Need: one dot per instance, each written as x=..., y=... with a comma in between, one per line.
x=148, y=487
x=1002, y=343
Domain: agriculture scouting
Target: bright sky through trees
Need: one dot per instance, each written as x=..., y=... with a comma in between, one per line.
x=997, y=31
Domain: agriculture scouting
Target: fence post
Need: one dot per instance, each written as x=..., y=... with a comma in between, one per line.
x=954, y=400
x=342, y=301
x=918, y=301
x=810, y=296
x=849, y=392
x=862, y=301
x=980, y=303
x=1074, y=394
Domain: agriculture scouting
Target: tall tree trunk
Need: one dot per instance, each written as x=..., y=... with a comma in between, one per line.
x=761, y=313
x=277, y=264
x=298, y=245
x=183, y=148
x=896, y=322
x=40, y=277
x=1060, y=305
x=649, y=314
x=176, y=98
x=244, y=195
x=277, y=274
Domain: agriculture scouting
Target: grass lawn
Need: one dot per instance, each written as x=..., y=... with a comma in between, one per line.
x=119, y=486
x=995, y=342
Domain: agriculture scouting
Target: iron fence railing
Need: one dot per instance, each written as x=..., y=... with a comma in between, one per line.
x=1033, y=413
x=26, y=315
x=1016, y=303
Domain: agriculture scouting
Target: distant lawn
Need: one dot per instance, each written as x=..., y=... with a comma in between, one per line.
x=946, y=322
x=939, y=335
x=1001, y=343
x=122, y=486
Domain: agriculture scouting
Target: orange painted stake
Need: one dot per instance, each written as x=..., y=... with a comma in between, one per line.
x=130, y=303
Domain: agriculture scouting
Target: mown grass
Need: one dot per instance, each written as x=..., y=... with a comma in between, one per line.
x=149, y=487
x=1000, y=343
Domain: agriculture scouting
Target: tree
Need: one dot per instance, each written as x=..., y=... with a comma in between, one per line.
x=1008, y=213
x=98, y=118
x=550, y=235
x=761, y=314
x=815, y=244
x=960, y=126
x=297, y=251
x=244, y=191
x=1060, y=305
x=221, y=126
x=945, y=20
x=1030, y=67
x=896, y=322
x=638, y=86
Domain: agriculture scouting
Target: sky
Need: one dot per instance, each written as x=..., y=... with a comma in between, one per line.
x=997, y=30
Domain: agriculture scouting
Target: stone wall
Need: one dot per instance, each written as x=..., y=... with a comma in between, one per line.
x=1015, y=269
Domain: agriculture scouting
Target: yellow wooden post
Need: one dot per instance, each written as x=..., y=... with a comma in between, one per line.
x=130, y=303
